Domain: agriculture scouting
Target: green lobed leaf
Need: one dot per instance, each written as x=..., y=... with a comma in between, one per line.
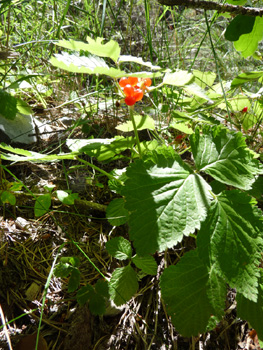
x=8, y=197
x=63, y=270
x=82, y=64
x=142, y=122
x=179, y=78
x=238, y=26
x=111, y=49
x=146, y=263
x=97, y=304
x=246, y=77
x=102, y=149
x=116, y=213
x=224, y=155
x=252, y=311
x=120, y=248
x=185, y=290
x=139, y=60
x=66, y=198
x=74, y=280
x=42, y=204
x=247, y=44
x=196, y=90
x=123, y=285
x=84, y=294
x=21, y=155
x=8, y=105
x=204, y=79
x=166, y=200
x=230, y=240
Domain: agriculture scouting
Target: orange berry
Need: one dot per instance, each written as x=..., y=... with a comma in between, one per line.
x=123, y=82
x=130, y=100
x=128, y=90
x=138, y=94
x=133, y=81
x=147, y=82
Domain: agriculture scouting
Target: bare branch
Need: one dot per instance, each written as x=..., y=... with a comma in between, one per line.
x=210, y=5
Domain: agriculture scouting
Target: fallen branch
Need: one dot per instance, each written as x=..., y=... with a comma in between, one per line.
x=210, y=5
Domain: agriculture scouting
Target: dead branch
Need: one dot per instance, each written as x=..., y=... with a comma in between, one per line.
x=210, y=5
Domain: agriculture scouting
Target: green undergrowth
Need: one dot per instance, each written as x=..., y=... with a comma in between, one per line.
x=197, y=174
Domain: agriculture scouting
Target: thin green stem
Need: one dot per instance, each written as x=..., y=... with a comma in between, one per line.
x=111, y=177
x=135, y=131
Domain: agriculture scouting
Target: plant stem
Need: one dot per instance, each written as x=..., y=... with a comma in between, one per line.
x=111, y=177
x=135, y=131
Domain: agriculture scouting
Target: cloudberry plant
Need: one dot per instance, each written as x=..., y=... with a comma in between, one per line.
x=134, y=88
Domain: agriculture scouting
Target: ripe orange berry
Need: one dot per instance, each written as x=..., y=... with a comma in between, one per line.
x=130, y=100
x=147, y=82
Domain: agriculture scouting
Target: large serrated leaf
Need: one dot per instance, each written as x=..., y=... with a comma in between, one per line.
x=139, y=60
x=82, y=64
x=252, y=311
x=224, y=155
x=166, y=200
x=116, y=213
x=196, y=90
x=111, y=49
x=120, y=248
x=247, y=44
x=147, y=264
x=102, y=149
x=123, y=285
x=142, y=122
x=230, y=240
x=185, y=291
x=179, y=78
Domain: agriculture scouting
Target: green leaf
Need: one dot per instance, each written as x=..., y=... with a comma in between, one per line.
x=142, y=123
x=230, y=240
x=84, y=294
x=185, y=289
x=246, y=77
x=8, y=105
x=102, y=288
x=119, y=248
x=138, y=60
x=196, y=90
x=111, y=49
x=102, y=149
x=238, y=26
x=74, y=280
x=66, y=198
x=62, y=270
x=224, y=155
x=179, y=78
x=8, y=197
x=146, y=263
x=82, y=64
x=42, y=204
x=247, y=44
x=252, y=311
x=97, y=304
x=123, y=285
x=166, y=200
x=116, y=213
x=31, y=156
x=204, y=79
x=183, y=127
x=23, y=107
